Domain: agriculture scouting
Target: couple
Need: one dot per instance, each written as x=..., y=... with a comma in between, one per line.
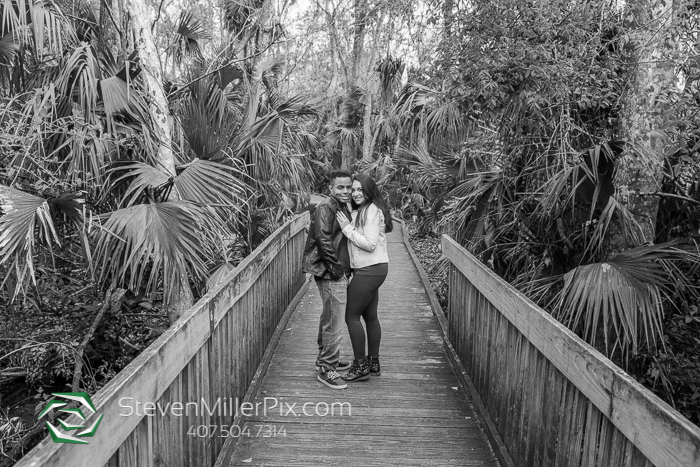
x=347, y=255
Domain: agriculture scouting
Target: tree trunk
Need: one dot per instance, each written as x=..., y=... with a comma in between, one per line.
x=112, y=17
x=264, y=16
x=254, y=97
x=153, y=78
x=348, y=157
x=367, y=127
x=639, y=169
x=333, y=49
x=158, y=108
x=330, y=90
x=360, y=15
x=447, y=20
x=368, y=141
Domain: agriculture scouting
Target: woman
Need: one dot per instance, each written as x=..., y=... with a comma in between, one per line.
x=369, y=260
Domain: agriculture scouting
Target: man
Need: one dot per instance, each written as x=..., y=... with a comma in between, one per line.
x=326, y=257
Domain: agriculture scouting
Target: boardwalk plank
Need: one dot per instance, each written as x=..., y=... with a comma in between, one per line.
x=416, y=413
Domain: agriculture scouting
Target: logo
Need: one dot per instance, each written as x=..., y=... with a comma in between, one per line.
x=59, y=436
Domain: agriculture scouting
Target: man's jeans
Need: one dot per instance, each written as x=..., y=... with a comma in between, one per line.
x=334, y=295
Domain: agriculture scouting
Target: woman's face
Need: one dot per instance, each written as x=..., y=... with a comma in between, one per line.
x=357, y=195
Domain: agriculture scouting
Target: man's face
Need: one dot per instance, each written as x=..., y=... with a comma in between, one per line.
x=341, y=188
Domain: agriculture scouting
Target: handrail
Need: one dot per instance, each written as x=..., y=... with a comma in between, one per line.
x=554, y=398
x=210, y=354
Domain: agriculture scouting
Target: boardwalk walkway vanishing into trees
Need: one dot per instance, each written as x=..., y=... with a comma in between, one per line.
x=497, y=382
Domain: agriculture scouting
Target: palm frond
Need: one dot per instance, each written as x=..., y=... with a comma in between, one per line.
x=69, y=206
x=190, y=32
x=614, y=213
x=118, y=99
x=143, y=177
x=350, y=137
x=299, y=106
x=212, y=184
x=140, y=246
x=589, y=180
x=445, y=120
x=279, y=132
x=389, y=70
x=207, y=129
x=622, y=297
x=414, y=103
x=470, y=203
x=414, y=98
x=8, y=48
x=79, y=78
x=200, y=181
x=555, y=192
x=40, y=24
x=428, y=173
x=25, y=219
x=264, y=72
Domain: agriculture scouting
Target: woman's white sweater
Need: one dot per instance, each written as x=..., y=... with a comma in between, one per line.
x=367, y=245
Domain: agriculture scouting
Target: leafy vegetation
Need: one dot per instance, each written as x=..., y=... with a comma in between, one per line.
x=94, y=226
x=524, y=129
x=522, y=160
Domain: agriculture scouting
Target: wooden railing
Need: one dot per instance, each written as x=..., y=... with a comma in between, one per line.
x=553, y=399
x=210, y=354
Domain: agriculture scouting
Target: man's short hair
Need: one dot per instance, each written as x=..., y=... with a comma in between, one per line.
x=338, y=173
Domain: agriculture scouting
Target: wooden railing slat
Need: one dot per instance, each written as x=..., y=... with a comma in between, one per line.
x=564, y=427
x=662, y=435
x=177, y=366
x=576, y=444
x=555, y=394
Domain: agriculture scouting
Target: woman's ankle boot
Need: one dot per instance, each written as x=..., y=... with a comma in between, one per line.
x=374, y=369
x=359, y=371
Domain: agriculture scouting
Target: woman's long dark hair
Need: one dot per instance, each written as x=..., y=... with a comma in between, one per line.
x=371, y=192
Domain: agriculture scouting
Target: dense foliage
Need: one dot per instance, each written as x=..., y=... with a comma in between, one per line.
x=524, y=136
x=94, y=227
x=518, y=127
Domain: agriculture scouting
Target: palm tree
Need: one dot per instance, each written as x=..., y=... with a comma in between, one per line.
x=89, y=157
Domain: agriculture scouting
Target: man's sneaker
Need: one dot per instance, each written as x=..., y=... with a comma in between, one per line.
x=331, y=379
x=341, y=366
x=373, y=363
x=359, y=371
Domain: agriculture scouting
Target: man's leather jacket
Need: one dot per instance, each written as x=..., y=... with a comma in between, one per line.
x=326, y=252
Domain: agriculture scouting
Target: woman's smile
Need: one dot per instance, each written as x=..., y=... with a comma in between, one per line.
x=357, y=195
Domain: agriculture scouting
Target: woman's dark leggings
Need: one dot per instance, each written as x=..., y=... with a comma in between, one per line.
x=363, y=297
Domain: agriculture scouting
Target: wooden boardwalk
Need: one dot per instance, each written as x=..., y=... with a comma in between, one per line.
x=416, y=413
x=253, y=337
